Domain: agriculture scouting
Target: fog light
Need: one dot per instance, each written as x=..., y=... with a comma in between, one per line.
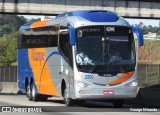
x=134, y=90
x=132, y=84
x=80, y=91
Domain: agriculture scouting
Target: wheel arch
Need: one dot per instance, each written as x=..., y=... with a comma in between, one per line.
x=26, y=83
x=63, y=85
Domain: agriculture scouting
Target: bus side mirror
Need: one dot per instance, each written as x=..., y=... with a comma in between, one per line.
x=139, y=34
x=72, y=34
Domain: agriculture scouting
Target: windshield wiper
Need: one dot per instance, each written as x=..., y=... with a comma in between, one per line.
x=83, y=70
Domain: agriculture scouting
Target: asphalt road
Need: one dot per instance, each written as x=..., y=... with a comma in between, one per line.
x=56, y=105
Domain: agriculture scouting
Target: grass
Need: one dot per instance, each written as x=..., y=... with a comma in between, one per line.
x=156, y=62
x=150, y=47
x=14, y=63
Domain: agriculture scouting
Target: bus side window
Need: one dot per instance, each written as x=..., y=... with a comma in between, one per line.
x=63, y=44
x=39, y=40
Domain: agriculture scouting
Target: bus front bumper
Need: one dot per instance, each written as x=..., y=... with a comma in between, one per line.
x=106, y=93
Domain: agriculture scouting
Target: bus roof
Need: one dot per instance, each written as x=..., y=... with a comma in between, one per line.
x=93, y=15
x=34, y=24
x=97, y=16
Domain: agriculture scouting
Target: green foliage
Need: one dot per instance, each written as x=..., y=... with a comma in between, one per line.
x=10, y=23
x=8, y=49
x=148, y=29
x=9, y=26
x=33, y=20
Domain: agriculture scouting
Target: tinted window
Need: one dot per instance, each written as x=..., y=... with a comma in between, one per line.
x=65, y=47
x=38, y=37
x=39, y=41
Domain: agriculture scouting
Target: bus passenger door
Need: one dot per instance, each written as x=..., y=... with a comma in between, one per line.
x=67, y=62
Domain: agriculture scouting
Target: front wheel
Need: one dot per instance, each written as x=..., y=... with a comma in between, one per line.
x=67, y=100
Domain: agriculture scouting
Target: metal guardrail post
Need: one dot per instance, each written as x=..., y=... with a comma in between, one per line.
x=1, y=73
x=158, y=74
x=4, y=74
x=146, y=80
x=9, y=74
x=15, y=74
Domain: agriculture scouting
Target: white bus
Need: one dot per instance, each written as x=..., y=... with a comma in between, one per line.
x=79, y=55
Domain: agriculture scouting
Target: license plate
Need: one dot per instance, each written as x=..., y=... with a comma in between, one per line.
x=108, y=92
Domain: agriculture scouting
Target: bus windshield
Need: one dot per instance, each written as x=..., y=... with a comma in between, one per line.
x=103, y=49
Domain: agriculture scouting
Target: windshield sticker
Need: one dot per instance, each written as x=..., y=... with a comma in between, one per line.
x=79, y=33
x=103, y=39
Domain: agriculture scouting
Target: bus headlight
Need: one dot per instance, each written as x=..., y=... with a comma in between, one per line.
x=132, y=84
x=82, y=84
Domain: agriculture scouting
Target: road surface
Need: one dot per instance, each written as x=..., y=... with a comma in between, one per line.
x=56, y=105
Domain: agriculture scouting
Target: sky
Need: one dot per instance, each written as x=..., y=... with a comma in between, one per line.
x=147, y=22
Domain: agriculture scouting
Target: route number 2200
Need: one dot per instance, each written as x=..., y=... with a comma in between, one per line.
x=89, y=76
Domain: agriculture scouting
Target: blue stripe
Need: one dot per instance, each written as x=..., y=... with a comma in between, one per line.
x=93, y=15
x=26, y=26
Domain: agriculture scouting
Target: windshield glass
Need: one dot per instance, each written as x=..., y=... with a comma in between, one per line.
x=103, y=49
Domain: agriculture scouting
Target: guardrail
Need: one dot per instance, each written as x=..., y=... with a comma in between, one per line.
x=8, y=73
x=148, y=74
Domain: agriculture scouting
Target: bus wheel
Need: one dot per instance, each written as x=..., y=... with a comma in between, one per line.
x=28, y=93
x=118, y=103
x=35, y=97
x=68, y=101
x=43, y=97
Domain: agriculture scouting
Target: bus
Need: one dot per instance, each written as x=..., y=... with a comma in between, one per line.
x=70, y=57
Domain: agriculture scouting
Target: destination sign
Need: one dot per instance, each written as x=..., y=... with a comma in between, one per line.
x=103, y=31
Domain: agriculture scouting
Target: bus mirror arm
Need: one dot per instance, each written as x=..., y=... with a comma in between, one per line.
x=72, y=34
x=139, y=34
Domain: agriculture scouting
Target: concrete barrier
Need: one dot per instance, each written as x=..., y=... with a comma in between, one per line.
x=8, y=87
x=1, y=86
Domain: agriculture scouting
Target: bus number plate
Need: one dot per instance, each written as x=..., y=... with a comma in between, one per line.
x=89, y=76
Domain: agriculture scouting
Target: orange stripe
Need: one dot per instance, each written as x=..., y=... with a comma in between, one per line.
x=124, y=77
x=43, y=79
x=39, y=24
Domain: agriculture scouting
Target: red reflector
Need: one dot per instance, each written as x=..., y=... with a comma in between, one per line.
x=108, y=92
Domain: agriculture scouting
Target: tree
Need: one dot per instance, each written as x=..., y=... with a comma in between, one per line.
x=33, y=20
x=10, y=23
x=8, y=49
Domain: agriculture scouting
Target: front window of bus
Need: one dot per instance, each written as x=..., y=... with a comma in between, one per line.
x=98, y=51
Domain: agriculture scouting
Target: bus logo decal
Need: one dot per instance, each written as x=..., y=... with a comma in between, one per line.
x=110, y=29
x=38, y=56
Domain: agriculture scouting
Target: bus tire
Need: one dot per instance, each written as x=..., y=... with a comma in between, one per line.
x=118, y=103
x=34, y=95
x=43, y=97
x=28, y=93
x=67, y=100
